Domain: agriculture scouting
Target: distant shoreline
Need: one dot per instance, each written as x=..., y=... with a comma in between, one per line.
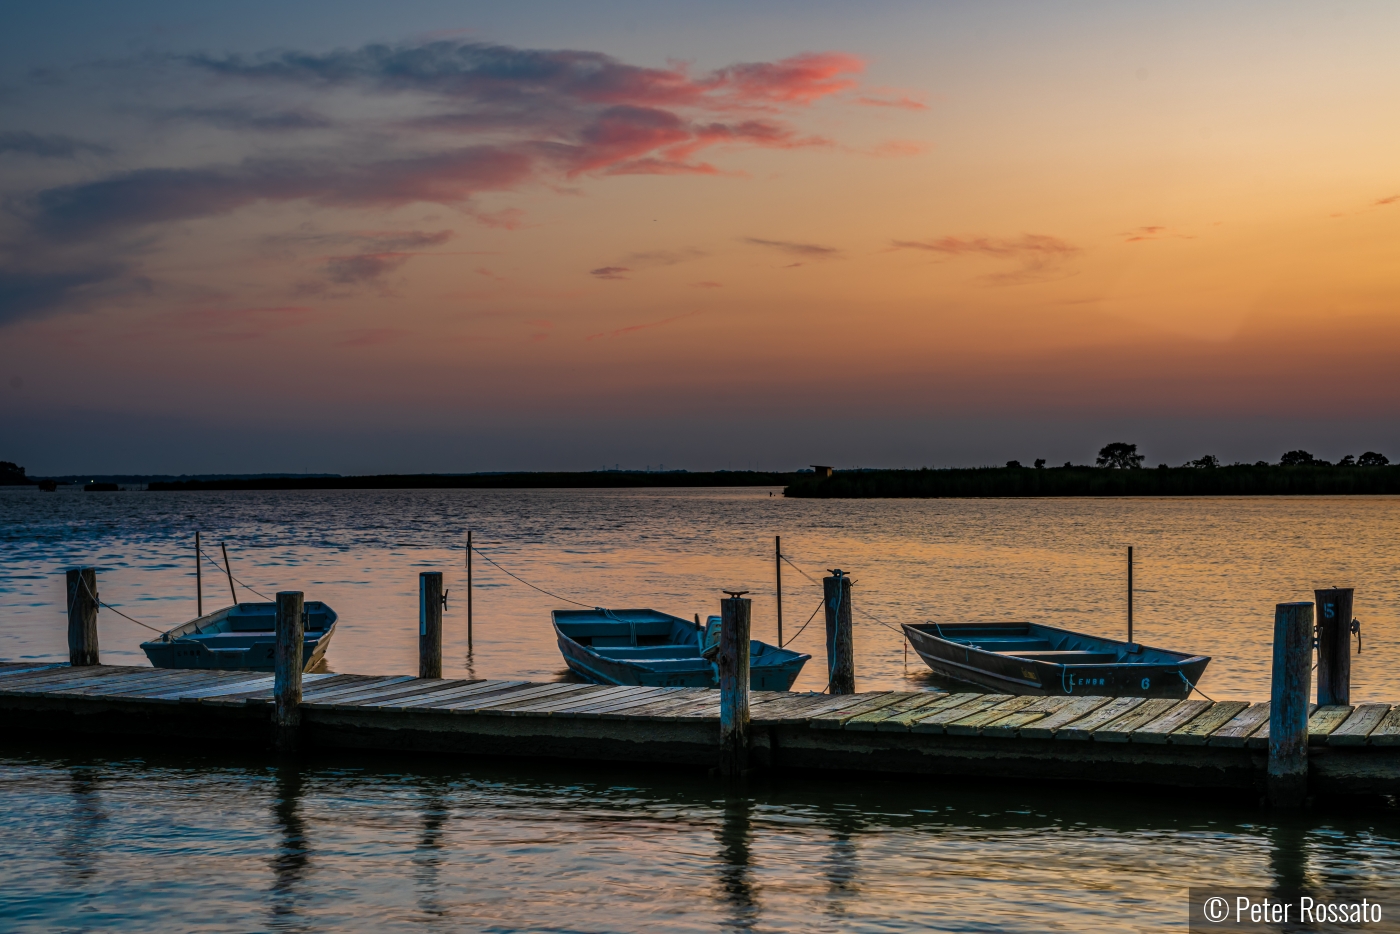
x=999, y=482
x=492, y=481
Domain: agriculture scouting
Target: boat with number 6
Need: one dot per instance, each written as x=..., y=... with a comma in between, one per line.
x=652, y=649
x=241, y=638
x=1028, y=658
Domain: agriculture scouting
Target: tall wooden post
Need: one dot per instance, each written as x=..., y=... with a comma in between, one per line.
x=1130, y=593
x=287, y=666
x=1288, y=708
x=82, y=617
x=198, y=579
x=778, y=569
x=840, y=642
x=469, y=592
x=430, y=624
x=1334, y=607
x=734, y=684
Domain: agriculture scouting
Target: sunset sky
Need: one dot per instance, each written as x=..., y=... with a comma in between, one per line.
x=432, y=236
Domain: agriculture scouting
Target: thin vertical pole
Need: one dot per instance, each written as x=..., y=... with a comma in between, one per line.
x=198, y=581
x=1287, y=781
x=430, y=624
x=288, y=662
x=778, y=566
x=228, y=569
x=1130, y=593
x=469, y=592
x=82, y=617
x=734, y=684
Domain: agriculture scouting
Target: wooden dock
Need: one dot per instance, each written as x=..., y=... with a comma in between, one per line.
x=1190, y=743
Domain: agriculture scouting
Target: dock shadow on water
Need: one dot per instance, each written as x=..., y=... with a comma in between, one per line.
x=348, y=843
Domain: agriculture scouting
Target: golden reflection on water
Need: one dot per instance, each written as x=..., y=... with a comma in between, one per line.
x=1209, y=571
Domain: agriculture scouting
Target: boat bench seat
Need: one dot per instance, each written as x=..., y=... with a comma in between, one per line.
x=1069, y=657
x=239, y=640
x=649, y=651
x=1014, y=642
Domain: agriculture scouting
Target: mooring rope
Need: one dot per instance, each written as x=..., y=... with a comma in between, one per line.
x=799, y=570
x=586, y=606
x=820, y=604
x=112, y=608
x=230, y=574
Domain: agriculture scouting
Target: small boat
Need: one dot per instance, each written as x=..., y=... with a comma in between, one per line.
x=653, y=649
x=1028, y=658
x=239, y=637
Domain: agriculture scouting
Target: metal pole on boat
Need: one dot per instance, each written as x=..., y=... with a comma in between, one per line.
x=228, y=569
x=1334, y=607
x=778, y=566
x=1130, y=594
x=430, y=600
x=287, y=667
x=82, y=617
x=734, y=684
x=840, y=644
x=1288, y=705
x=469, y=593
x=198, y=580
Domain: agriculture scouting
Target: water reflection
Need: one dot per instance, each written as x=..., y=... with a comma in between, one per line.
x=292, y=854
x=735, y=874
x=82, y=840
x=428, y=857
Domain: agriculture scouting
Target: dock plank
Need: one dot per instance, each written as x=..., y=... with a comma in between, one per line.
x=347, y=689
x=1200, y=729
x=972, y=724
x=44, y=681
x=871, y=721
x=835, y=717
x=1157, y=731
x=681, y=699
x=149, y=687
x=1084, y=726
x=1121, y=729
x=595, y=692
x=615, y=696
x=1009, y=726
x=1236, y=733
x=440, y=698
x=390, y=694
x=114, y=682
x=937, y=722
x=900, y=722
x=518, y=708
x=1259, y=739
x=1356, y=729
x=1324, y=720
x=799, y=708
x=478, y=704
x=1387, y=732
x=617, y=707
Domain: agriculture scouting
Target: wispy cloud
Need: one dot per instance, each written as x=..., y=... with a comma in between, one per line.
x=811, y=250
x=609, y=272
x=1153, y=233
x=363, y=268
x=49, y=146
x=1384, y=201
x=1038, y=256
x=631, y=329
x=707, y=285
x=251, y=118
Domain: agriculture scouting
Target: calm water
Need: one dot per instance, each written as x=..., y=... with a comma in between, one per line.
x=200, y=843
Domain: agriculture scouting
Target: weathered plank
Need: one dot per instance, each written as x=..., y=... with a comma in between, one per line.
x=116, y=682
x=394, y=693
x=1084, y=726
x=1183, y=713
x=1387, y=732
x=249, y=685
x=834, y=718
x=149, y=686
x=900, y=722
x=1236, y=733
x=937, y=722
x=434, y=701
x=350, y=690
x=1121, y=729
x=11, y=669
x=1324, y=720
x=576, y=693
x=44, y=681
x=972, y=724
x=594, y=705
x=599, y=692
x=1009, y=726
x=477, y=704
x=800, y=708
x=871, y=721
x=1259, y=739
x=1364, y=719
x=1200, y=729
x=683, y=699
x=614, y=709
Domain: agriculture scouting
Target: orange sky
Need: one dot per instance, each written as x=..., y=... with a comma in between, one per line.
x=356, y=234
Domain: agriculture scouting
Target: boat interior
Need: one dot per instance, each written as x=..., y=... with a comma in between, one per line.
x=244, y=625
x=1046, y=643
x=650, y=636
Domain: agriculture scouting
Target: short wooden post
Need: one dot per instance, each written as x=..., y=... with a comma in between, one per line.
x=734, y=684
x=840, y=642
x=1334, y=607
x=82, y=617
x=288, y=663
x=1288, y=708
x=430, y=624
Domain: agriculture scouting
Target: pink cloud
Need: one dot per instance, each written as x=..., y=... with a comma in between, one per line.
x=1039, y=256
x=1391, y=200
x=630, y=329
x=370, y=337
x=706, y=285
x=609, y=272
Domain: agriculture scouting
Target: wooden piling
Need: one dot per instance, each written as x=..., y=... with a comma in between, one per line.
x=82, y=617
x=430, y=624
x=734, y=684
x=1334, y=608
x=198, y=579
x=287, y=666
x=840, y=642
x=1287, y=780
x=778, y=570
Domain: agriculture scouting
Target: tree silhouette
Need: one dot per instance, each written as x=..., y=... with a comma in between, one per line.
x=1119, y=456
x=1208, y=461
x=1372, y=459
